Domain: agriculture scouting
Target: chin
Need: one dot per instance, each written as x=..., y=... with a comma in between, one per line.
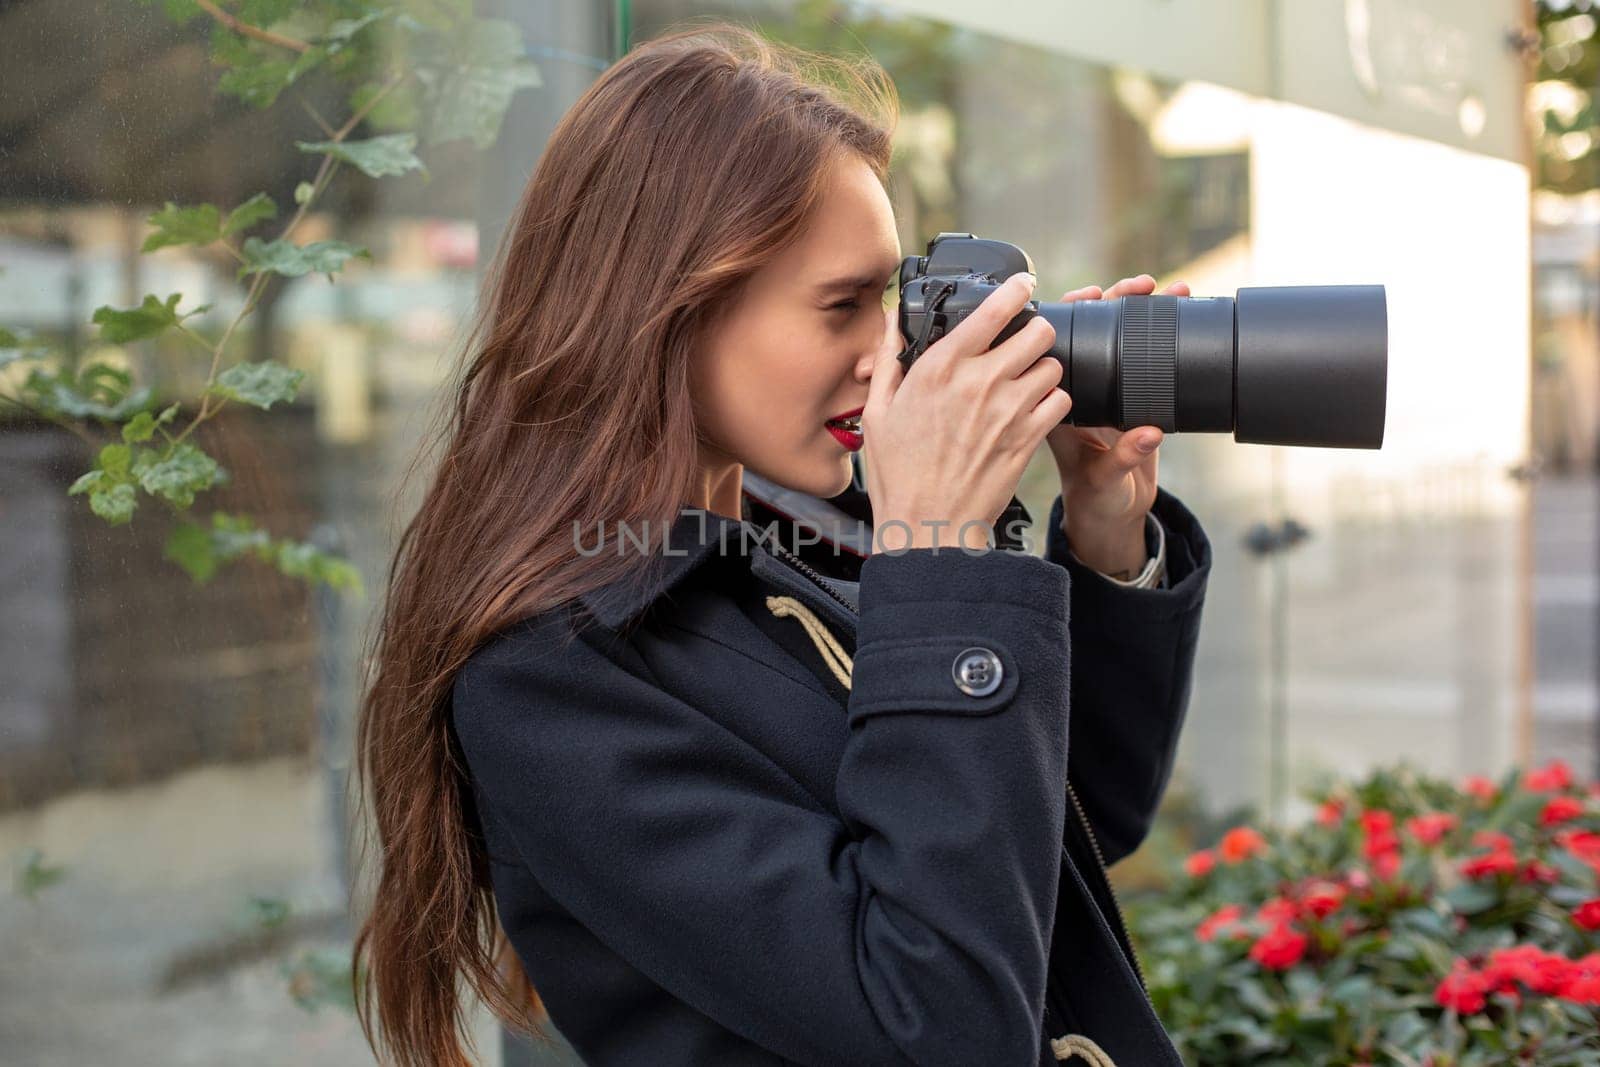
x=817, y=481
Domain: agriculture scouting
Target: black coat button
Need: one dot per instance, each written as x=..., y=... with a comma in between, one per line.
x=977, y=672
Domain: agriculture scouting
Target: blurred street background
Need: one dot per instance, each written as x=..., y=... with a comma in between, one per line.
x=173, y=756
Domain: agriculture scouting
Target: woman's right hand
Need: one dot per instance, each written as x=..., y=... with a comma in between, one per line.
x=946, y=442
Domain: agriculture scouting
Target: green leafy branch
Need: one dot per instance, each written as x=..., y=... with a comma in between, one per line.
x=431, y=72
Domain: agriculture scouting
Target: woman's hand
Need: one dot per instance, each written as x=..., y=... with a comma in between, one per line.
x=946, y=442
x=1108, y=476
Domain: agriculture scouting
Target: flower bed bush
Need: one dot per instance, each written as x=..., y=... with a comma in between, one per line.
x=1413, y=921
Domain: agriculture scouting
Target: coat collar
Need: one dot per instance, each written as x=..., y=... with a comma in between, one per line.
x=697, y=535
x=673, y=552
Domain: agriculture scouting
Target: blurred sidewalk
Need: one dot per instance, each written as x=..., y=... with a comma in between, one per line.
x=1566, y=604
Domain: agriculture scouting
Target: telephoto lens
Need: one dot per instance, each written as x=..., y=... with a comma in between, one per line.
x=1278, y=365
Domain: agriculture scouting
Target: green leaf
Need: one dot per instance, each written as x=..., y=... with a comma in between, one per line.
x=179, y=476
x=142, y=426
x=321, y=978
x=197, y=225
x=234, y=535
x=100, y=391
x=115, y=460
x=86, y=481
x=19, y=346
x=301, y=560
x=254, y=74
x=270, y=912
x=1470, y=898
x=377, y=157
x=267, y=13
x=189, y=546
x=303, y=192
x=115, y=505
x=257, y=209
x=180, y=11
x=1253, y=995
x=135, y=324
x=399, y=108
x=471, y=78
x=35, y=875
x=342, y=31
x=261, y=384
x=291, y=261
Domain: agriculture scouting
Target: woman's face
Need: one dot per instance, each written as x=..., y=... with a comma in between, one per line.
x=797, y=349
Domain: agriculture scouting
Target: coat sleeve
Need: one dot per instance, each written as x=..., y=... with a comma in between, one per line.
x=913, y=926
x=1132, y=670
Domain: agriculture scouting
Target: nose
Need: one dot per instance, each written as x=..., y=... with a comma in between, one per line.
x=888, y=344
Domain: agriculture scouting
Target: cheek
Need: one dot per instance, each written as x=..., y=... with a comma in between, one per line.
x=766, y=382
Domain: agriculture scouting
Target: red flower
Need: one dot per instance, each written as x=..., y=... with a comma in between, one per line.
x=1379, y=843
x=1377, y=821
x=1463, y=989
x=1276, y=911
x=1240, y=844
x=1386, y=865
x=1587, y=914
x=1499, y=861
x=1551, y=777
x=1212, y=924
x=1584, y=844
x=1321, y=899
x=1279, y=948
x=1581, y=983
x=1479, y=786
x=1541, y=971
x=1382, y=845
x=1539, y=871
x=1199, y=864
x=1431, y=828
x=1330, y=812
x=1559, y=810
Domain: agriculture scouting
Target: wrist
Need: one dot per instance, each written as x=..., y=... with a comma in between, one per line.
x=1117, y=550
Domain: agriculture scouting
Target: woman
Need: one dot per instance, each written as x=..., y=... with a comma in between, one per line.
x=720, y=808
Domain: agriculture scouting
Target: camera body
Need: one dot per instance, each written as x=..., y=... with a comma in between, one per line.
x=1293, y=365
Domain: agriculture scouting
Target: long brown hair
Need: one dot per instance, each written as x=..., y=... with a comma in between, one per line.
x=688, y=165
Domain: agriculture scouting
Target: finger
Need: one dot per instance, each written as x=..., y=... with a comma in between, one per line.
x=1023, y=349
x=1177, y=289
x=1108, y=468
x=977, y=331
x=1034, y=383
x=1141, y=285
x=1129, y=452
x=887, y=370
x=1088, y=292
x=1048, y=413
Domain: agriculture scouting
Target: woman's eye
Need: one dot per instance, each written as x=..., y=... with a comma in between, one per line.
x=850, y=304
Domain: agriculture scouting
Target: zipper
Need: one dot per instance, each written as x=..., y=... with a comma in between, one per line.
x=804, y=568
x=1105, y=874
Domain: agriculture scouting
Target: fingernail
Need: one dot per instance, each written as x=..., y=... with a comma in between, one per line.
x=1147, y=442
x=1030, y=280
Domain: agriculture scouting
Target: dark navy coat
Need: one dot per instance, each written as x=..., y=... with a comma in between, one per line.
x=702, y=856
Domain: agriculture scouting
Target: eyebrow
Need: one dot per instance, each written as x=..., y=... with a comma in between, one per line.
x=858, y=281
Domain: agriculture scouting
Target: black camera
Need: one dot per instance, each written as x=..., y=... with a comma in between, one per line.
x=1279, y=365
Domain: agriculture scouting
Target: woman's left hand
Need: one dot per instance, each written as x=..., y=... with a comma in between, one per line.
x=1108, y=482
